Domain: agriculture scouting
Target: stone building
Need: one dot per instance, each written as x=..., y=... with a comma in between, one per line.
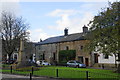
x=49, y=49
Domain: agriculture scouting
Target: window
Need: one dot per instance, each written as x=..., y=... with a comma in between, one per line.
x=53, y=56
x=43, y=56
x=15, y=57
x=106, y=56
x=81, y=47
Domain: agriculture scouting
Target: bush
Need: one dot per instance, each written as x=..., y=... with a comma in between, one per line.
x=65, y=55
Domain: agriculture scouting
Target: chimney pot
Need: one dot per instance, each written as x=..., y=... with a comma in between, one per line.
x=65, y=32
x=85, y=29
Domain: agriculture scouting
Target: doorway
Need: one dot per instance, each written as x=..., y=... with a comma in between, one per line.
x=80, y=59
x=95, y=58
x=86, y=61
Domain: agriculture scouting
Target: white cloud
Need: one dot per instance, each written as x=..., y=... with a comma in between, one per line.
x=37, y=34
x=73, y=19
x=78, y=23
x=57, y=0
x=12, y=7
x=60, y=12
x=70, y=19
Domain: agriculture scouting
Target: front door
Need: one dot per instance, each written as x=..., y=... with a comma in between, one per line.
x=86, y=61
x=96, y=58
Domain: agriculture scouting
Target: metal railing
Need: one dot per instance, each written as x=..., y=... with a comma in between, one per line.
x=65, y=73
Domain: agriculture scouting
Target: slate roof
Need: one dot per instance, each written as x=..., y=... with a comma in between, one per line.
x=57, y=39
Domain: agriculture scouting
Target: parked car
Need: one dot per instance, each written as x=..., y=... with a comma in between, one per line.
x=74, y=63
x=42, y=62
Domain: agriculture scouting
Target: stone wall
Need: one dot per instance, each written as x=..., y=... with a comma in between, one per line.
x=50, y=49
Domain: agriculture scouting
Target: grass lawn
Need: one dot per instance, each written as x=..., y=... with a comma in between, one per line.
x=68, y=72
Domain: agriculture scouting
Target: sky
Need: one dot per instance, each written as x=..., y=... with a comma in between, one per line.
x=50, y=18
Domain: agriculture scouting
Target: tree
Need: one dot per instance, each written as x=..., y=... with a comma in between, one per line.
x=13, y=28
x=104, y=33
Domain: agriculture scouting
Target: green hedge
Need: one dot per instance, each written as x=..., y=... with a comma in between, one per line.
x=65, y=55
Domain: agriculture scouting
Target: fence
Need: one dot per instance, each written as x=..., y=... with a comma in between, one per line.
x=65, y=73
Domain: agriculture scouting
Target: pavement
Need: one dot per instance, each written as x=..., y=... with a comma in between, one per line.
x=22, y=77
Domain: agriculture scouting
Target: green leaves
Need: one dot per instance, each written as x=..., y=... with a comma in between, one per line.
x=104, y=30
x=65, y=55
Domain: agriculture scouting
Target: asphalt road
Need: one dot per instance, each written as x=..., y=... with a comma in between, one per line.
x=21, y=77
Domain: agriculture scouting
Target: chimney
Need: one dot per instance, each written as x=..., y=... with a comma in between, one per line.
x=85, y=29
x=65, y=32
x=40, y=40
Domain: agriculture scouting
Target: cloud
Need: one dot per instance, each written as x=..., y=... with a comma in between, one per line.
x=60, y=12
x=74, y=20
x=37, y=34
x=12, y=7
x=57, y=0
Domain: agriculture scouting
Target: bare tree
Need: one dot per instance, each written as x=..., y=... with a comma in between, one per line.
x=13, y=28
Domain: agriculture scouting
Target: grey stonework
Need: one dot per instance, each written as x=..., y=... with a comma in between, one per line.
x=49, y=48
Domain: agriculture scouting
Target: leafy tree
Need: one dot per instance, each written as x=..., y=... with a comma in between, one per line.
x=13, y=28
x=104, y=33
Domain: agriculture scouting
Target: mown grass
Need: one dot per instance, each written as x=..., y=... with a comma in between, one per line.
x=67, y=72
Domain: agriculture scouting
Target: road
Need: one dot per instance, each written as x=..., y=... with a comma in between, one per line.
x=21, y=77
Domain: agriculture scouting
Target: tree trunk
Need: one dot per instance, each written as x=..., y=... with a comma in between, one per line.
x=115, y=61
x=118, y=70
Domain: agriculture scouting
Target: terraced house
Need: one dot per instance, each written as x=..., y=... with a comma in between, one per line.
x=50, y=48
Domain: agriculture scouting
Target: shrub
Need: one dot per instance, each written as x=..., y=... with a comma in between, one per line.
x=65, y=55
